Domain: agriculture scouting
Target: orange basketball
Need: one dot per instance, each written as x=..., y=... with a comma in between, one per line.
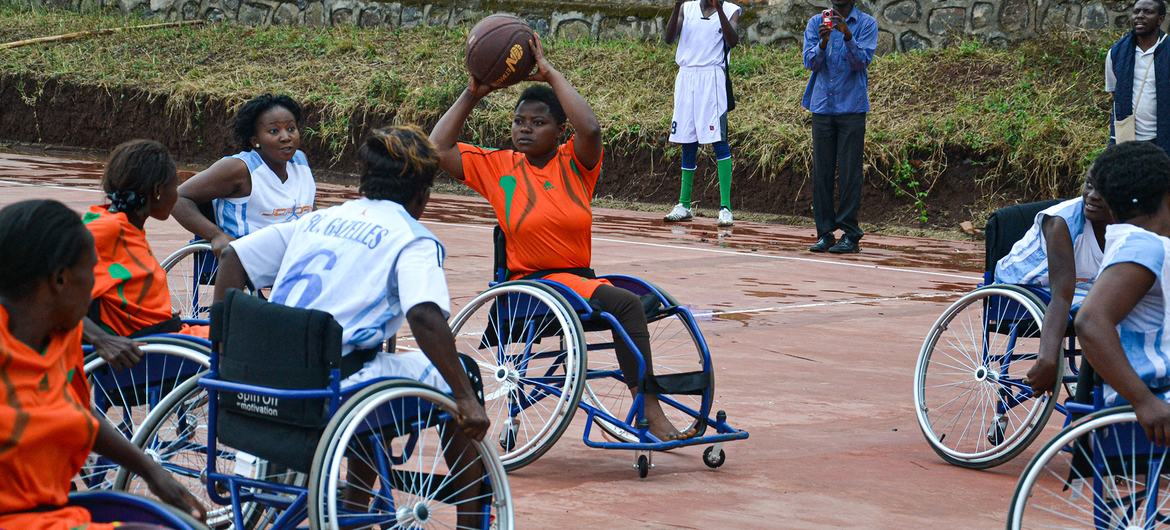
x=498, y=53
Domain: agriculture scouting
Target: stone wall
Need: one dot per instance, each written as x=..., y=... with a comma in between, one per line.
x=905, y=24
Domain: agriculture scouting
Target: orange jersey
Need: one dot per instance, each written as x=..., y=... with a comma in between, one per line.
x=130, y=287
x=544, y=212
x=46, y=431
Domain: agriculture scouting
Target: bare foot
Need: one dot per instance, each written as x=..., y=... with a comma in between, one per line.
x=660, y=426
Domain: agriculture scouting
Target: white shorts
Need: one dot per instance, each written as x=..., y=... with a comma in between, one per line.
x=700, y=106
x=410, y=365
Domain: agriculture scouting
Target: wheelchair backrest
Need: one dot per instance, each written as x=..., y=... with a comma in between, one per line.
x=499, y=256
x=1005, y=227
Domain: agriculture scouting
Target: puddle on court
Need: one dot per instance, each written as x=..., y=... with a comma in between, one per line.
x=70, y=169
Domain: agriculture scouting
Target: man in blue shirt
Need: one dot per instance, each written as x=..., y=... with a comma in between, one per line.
x=838, y=52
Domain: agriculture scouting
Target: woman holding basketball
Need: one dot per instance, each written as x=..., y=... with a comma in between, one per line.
x=267, y=182
x=540, y=191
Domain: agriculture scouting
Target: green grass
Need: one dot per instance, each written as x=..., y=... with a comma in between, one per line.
x=1031, y=116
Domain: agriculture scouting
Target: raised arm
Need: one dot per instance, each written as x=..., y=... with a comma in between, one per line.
x=675, y=23
x=226, y=178
x=1062, y=276
x=445, y=135
x=729, y=26
x=816, y=37
x=1116, y=292
x=859, y=48
x=587, y=142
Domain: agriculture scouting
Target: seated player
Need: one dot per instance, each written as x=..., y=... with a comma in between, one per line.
x=541, y=193
x=370, y=264
x=1123, y=322
x=1061, y=252
x=268, y=182
x=130, y=294
x=47, y=428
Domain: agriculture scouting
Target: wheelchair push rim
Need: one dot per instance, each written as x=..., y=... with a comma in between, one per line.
x=969, y=397
x=191, y=273
x=395, y=428
x=1095, y=474
x=533, y=378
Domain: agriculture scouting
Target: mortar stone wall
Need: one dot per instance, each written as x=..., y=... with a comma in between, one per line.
x=905, y=24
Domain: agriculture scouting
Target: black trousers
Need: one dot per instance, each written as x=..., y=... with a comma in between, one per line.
x=627, y=308
x=837, y=147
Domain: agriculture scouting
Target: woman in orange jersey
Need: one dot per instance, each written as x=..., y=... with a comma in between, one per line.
x=130, y=294
x=541, y=192
x=47, y=428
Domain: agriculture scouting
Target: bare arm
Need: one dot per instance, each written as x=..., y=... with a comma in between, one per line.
x=675, y=23
x=445, y=135
x=587, y=142
x=1116, y=292
x=119, y=352
x=1062, y=280
x=430, y=329
x=113, y=445
x=231, y=274
x=227, y=178
x=729, y=27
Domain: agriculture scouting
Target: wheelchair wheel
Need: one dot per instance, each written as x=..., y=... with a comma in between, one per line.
x=191, y=278
x=386, y=460
x=1101, y=472
x=126, y=397
x=175, y=435
x=530, y=348
x=676, y=346
x=969, y=396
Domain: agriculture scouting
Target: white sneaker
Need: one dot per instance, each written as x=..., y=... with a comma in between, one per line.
x=679, y=213
x=725, y=217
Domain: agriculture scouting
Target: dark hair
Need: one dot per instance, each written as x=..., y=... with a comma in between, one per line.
x=1134, y=178
x=398, y=164
x=245, y=126
x=39, y=238
x=136, y=168
x=544, y=94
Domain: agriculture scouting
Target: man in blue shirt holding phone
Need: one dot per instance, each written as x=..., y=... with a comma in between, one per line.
x=838, y=47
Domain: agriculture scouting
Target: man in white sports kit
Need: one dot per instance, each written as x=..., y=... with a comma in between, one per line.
x=706, y=33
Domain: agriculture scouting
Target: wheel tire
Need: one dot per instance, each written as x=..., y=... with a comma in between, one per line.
x=643, y=466
x=988, y=378
x=714, y=459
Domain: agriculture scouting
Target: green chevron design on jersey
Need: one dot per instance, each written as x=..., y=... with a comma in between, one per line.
x=120, y=272
x=508, y=184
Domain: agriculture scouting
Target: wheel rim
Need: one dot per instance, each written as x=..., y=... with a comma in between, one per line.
x=1110, y=487
x=969, y=393
x=190, y=277
x=531, y=387
x=414, y=485
x=126, y=397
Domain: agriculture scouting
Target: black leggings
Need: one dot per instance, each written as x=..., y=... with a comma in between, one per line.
x=627, y=308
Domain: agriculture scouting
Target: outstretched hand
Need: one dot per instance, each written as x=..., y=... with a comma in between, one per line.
x=168, y=490
x=543, y=67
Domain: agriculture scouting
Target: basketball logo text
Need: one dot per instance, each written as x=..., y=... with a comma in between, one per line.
x=514, y=57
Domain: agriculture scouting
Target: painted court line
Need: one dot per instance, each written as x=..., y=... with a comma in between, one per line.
x=646, y=244
x=851, y=301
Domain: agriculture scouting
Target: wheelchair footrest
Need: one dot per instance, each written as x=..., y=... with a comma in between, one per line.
x=687, y=383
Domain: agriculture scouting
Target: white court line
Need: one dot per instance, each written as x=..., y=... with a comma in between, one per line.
x=36, y=185
x=851, y=301
x=656, y=245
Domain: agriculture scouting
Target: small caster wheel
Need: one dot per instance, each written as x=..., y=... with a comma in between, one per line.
x=995, y=433
x=508, y=438
x=643, y=466
x=714, y=457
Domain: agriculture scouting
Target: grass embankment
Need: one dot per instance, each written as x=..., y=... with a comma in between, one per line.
x=1027, y=119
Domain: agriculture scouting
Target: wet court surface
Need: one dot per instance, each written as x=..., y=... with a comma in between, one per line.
x=814, y=356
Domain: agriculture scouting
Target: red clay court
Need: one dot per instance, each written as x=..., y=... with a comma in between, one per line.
x=814, y=356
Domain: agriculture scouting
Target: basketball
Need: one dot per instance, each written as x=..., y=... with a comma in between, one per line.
x=498, y=53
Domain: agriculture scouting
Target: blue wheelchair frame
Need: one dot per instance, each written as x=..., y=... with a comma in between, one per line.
x=108, y=507
x=295, y=509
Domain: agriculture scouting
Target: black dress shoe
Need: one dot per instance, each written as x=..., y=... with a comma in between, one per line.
x=847, y=245
x=823, y=244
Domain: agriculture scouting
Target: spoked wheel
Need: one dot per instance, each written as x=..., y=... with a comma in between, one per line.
x=676, y=346
x=972, y=404
x=389, y=459
x=175, y=436
x=1101, y=472
x=530, y=349
x=191, y=274
x=126, y=397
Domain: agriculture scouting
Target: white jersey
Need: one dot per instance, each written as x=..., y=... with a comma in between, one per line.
x=1028, y=261
x=700, y=41
x=271, y=200
x=366, y=262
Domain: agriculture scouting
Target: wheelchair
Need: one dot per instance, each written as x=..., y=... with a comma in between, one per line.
x=275, y=444
x=109, y=507
x=125, y=397
x=191, y=274
x=1098, y=472
x=969, y=396
x=534, y=340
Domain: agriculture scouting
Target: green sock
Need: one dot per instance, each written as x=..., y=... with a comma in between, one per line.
x=684, y=194
x=724, y=182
